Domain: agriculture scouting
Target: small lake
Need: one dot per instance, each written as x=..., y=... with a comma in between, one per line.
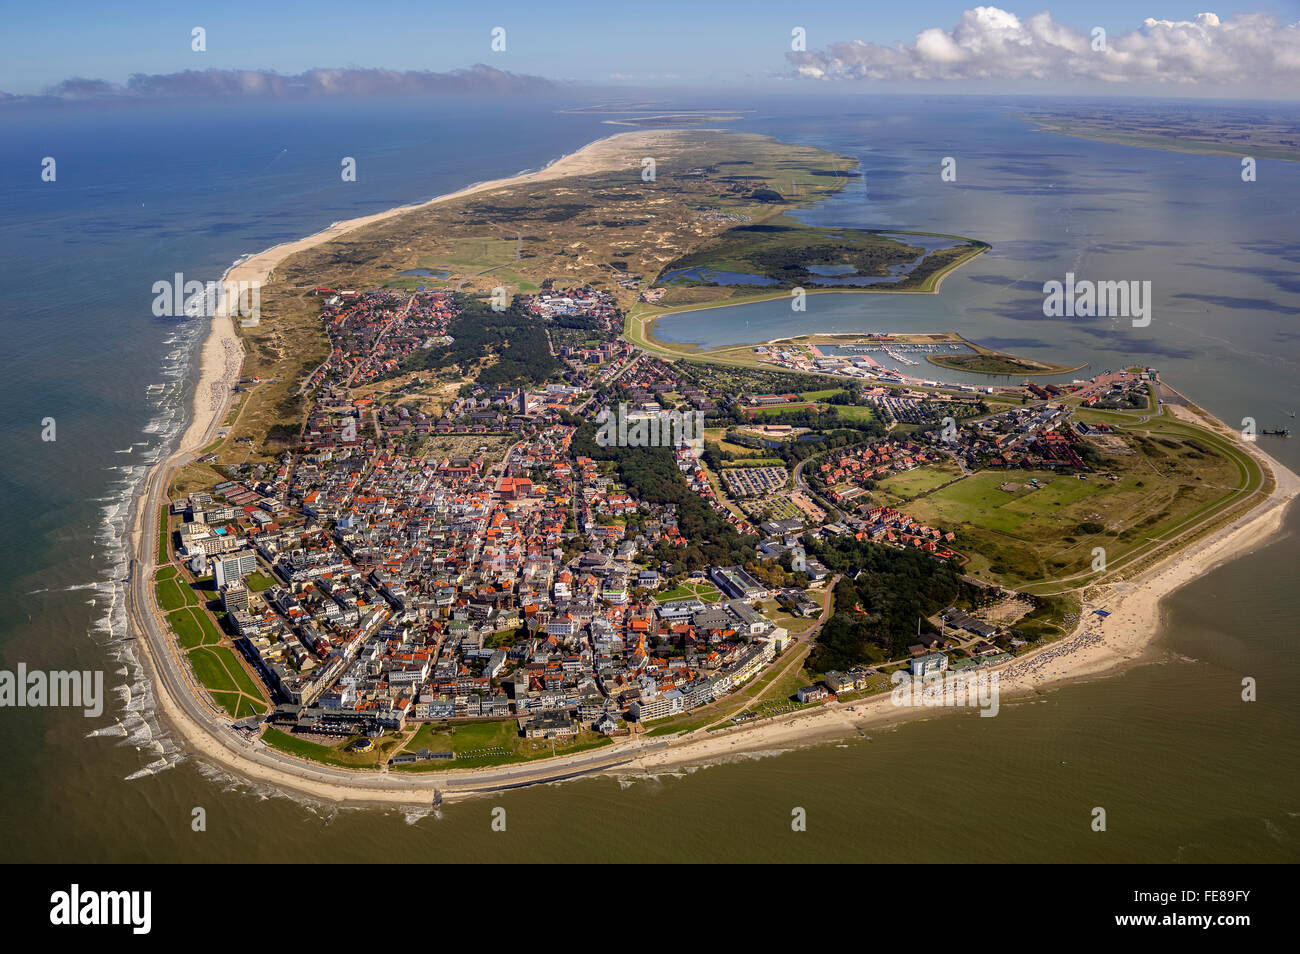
x=425, y=273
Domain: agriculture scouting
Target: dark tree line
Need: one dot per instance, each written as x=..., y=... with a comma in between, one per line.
x=651, y=474
x=516, y=339
x=885, y=591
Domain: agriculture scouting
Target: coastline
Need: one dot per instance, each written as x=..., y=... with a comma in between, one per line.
x=219, y=365
x=1196, y=147
x=647, y=322
x=1097, y=646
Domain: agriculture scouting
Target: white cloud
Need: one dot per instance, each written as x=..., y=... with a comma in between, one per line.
x=990, y=43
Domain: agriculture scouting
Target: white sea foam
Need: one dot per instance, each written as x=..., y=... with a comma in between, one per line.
x=416, y=815
x=136, y=723
x=117, y=729
x=153, y=768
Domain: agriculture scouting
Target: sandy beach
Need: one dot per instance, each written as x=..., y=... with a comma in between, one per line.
x=222, y=353
x=1097, y=646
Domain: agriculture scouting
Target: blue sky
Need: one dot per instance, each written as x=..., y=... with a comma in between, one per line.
x=702, y=42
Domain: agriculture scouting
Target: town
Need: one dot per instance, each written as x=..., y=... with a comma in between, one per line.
x=403, y=562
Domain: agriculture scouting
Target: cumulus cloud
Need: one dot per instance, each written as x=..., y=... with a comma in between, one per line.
x=991, y=44
x=267, y=84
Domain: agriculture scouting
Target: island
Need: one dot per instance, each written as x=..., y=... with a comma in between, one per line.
x=396, y=559
x=1224, y=131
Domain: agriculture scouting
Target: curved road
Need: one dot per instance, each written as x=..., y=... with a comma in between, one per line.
x=212, y=736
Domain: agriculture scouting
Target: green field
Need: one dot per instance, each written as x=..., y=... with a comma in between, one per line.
x=257, y=582
x=338, y=754
x=168, y=595
x=795, y=624
x=900, y=488
x=1021, y=535
x=482, y=744
x=215, y=666
x=173, y=593
x=690, y=590
x=164, y=536
x=852, y=412
x=228, y=682
x=193, y=627
x=820, y=395
x=464, y=737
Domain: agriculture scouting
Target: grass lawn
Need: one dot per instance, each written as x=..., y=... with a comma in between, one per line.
x=222, y=675
x=1021, y=535
x=690, y=590
x=164, y=536
x=464, y=737
x=795, y=624
x=481, y=744
x=257, y=582
x=170, y=593
x=212, y=670
x=853, y=412
x=820, y=395
x=338, y=754
x=193, y=627
x=900, y=488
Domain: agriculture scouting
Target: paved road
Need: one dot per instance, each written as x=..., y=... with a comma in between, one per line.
x=802, y=485
x=173, y=684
